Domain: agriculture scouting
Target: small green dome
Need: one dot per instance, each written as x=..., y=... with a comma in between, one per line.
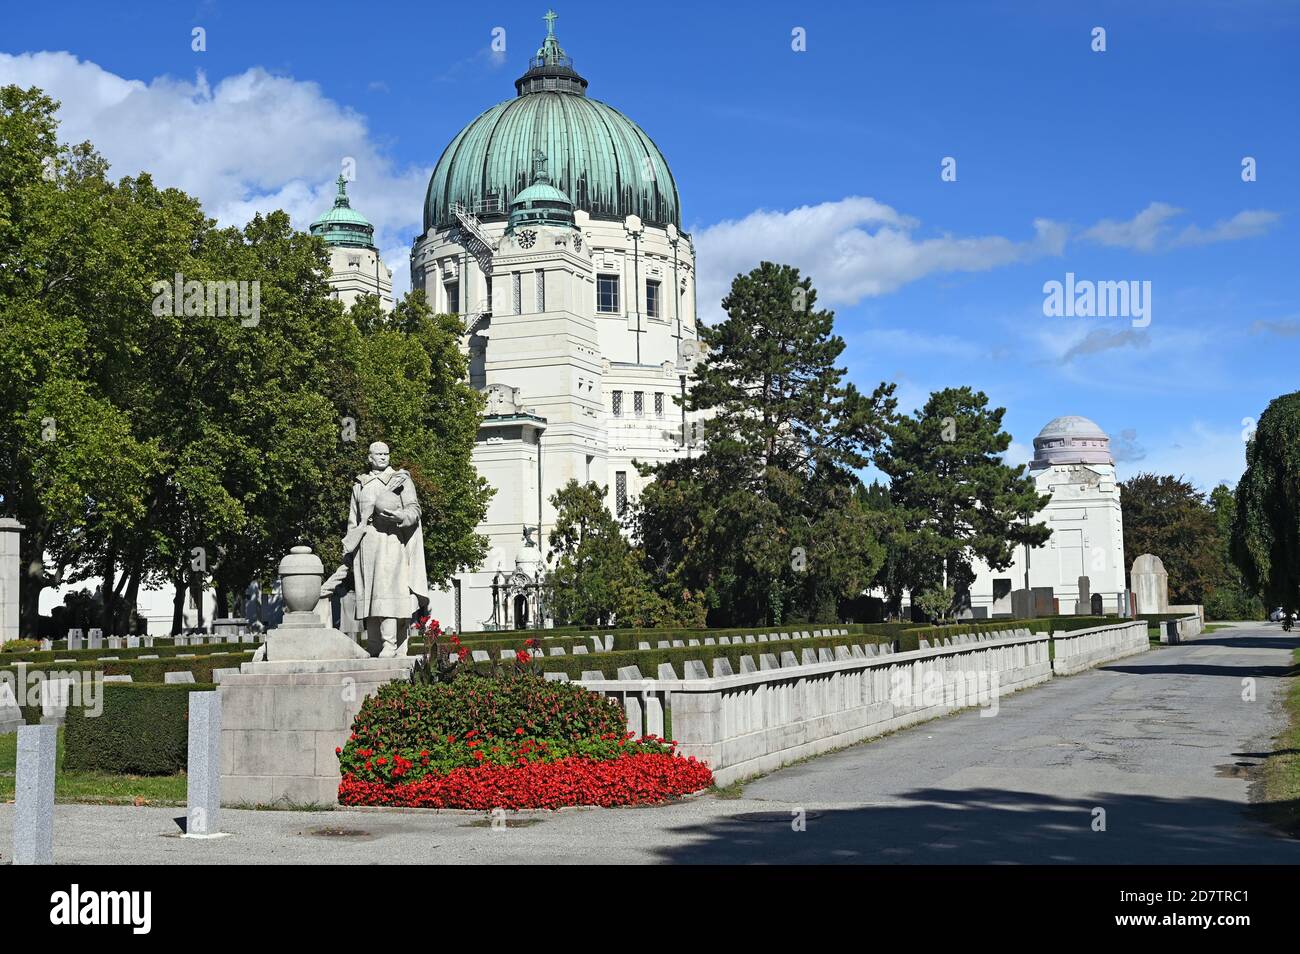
x=601, y=160
x=343, y=225
x=541, y=203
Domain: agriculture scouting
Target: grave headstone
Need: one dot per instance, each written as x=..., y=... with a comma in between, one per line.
x=95, y=639
x=1083, y=605
x=694, y=669
x=75, y=639
x=768, y=661
x=178, y=677
x=722, y=667
x=666, y=671
x=555, y=676
x=1150, y=584
x=55, y=696
x=11, y=716
x=125, y=678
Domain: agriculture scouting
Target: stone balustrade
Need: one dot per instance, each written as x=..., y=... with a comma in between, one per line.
x=1081, y=649
x=777, y=711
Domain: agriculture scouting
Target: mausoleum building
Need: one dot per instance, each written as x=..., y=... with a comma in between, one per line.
x=1072, y=462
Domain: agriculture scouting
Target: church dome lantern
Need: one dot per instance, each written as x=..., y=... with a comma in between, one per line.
x=344, y=225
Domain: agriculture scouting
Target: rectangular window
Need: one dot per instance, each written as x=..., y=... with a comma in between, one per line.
x=638, y=403
x=516, y=291
x=620, y=493
x=652, y=298
x=607, y=294
x=616, y=402
x=659, y=404
x=453, y=297
x=540, y=278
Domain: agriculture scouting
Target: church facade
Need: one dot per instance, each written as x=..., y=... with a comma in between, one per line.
x=552, y=224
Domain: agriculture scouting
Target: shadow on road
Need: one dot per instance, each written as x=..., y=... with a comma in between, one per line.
x=1281, y=641
x=1195, y=669
x=990, y=826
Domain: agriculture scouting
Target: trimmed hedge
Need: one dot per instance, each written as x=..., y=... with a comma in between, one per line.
x=627, y=639
x=146, y=670
x=648, y=660
x=39, y=656
x=1045, y=624
x=143, y=730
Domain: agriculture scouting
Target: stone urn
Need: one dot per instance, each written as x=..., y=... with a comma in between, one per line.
x=301, y=572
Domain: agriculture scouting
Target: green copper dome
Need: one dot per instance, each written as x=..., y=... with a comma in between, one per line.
x=597, y=157
x=343, y=225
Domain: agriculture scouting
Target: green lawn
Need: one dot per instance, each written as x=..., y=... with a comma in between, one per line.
x=99, y=788
x=1281, y=772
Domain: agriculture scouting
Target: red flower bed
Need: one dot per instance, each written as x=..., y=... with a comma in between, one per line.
x=639, y=779
x=515, y=741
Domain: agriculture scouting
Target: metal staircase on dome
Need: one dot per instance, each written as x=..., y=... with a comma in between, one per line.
x=469, y=232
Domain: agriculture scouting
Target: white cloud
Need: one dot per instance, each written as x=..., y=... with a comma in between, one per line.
x=253, y=142
x=1017, y=454
x=1142, y=232
x=1150, y=229
x=1249, y=223
x=853, y=248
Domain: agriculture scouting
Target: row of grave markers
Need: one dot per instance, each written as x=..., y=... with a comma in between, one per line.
x=95, y=639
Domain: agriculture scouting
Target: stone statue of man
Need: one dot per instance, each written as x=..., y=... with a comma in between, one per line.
x=385, y=546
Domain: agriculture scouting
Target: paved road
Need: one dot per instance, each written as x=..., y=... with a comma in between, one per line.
x=1159, y=741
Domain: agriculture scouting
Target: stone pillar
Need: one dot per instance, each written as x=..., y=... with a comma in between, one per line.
x=10, y=570
x=34, y=795
x=203, y=771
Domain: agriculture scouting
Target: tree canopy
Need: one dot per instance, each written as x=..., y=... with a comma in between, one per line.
x=1266, y=531
x=150, y=438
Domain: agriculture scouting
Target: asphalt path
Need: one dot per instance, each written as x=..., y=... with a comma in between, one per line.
x=1147, y=760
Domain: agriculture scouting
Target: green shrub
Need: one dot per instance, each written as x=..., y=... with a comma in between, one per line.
x=402, y=716
x=142, y=730
x=20, y=645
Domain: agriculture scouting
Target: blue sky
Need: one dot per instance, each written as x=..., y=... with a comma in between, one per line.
x=1115, y=165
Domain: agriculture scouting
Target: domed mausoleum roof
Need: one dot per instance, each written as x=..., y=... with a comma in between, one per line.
x=1071, y=440
x=600, y=159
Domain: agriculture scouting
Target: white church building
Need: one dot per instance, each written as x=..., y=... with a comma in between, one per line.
x=1072, y=462
x=553, y=224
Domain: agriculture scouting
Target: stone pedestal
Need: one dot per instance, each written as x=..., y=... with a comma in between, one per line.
x=283, y=715
x=282, y=721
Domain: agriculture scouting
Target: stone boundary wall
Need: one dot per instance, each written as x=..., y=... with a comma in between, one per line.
x=1178, y=630
x=774, y=713
x=1082, y=649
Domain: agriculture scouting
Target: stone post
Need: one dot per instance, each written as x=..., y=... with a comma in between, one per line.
x=203, y=773
x=34, y=795
x=10, y=570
